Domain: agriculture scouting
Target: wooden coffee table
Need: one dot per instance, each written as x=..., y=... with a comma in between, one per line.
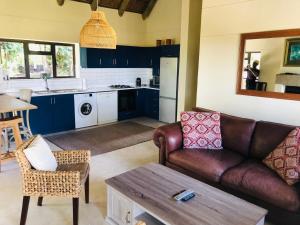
x=145, y=194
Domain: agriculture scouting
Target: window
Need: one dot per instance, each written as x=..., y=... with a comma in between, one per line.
x=12, y=59
x=31, y=59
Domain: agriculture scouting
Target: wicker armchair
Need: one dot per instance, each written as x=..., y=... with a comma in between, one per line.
x=67, y=181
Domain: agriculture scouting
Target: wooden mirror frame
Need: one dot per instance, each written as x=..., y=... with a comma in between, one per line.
x=260, y=35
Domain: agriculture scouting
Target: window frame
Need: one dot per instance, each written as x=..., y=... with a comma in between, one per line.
x=52, y=53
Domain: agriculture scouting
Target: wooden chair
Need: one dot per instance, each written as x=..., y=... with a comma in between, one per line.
x=12, y=123
x=67, y=181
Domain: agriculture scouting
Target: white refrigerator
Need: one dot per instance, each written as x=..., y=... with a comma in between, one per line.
x=168, y=89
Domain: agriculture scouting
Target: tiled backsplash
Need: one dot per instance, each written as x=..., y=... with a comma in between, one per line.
x=105, y=77
x=89, y=78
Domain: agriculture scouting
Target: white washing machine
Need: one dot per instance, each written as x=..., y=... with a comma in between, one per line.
x=85, y=110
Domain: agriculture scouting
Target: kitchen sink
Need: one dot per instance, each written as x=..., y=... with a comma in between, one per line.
x=57, y=91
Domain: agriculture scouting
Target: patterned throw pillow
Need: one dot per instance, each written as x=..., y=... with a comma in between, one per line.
x=201, y=130
x=284, y=160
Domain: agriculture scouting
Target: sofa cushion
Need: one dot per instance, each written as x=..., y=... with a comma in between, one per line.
x=201, y=130
x=254, y=178
x=284, y=160
x=236, y=132
x=267, y=136
x=207, y=163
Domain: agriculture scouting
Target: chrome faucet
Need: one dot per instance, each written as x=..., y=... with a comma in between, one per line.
x=45, y=77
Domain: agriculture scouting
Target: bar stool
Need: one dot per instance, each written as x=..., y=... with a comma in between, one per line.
x=24, y=95
x=12, y=123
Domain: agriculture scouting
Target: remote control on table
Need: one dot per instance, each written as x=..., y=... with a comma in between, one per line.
x=188, y=197
x=179, y=196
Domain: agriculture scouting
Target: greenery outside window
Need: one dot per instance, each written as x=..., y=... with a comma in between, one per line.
x=29, y=59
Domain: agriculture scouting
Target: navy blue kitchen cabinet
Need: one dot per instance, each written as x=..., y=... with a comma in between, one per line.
x=170, y=51
x=140, y=101
x=101, y=58
x=64, y=113
x=128, y=57
x=122, y=56
x=41, y=119
x=54, y=114
x=151, y=103
x=155, y=56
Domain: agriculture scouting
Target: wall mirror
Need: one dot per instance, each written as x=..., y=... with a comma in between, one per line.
x=269, y=64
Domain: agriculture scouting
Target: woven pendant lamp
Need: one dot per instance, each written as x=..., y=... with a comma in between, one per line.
x=97, y=33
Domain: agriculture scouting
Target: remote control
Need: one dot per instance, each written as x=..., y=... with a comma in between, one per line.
x=182, y=194
x=188, y=197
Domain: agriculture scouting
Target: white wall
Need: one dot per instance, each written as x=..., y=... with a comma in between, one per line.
x=222, y=23
x=189, y=54
x=164, y=22
x=46, y=20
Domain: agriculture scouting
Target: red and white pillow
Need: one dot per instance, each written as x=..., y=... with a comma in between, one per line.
x=201, y=130
x=285, y=158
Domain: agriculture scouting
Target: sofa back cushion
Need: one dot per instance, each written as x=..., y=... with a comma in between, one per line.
x=236, y=132
x=267, y=136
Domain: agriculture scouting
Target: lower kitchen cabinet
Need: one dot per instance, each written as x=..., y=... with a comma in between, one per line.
x=140, y=102
x=107, y=107
x=146, y=104
x=151, y=105
x=54, y=114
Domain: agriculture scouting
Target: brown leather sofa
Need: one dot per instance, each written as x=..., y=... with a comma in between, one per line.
x=237, y=169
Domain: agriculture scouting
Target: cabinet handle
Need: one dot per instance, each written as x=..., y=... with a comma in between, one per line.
x=100, y=61
x=54, y=100
x=127, y=62
x=127, y=218
x=151, y=62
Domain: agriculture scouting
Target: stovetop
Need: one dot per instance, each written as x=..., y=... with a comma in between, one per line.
x=118, y=86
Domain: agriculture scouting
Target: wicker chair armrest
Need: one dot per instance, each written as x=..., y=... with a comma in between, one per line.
x=57, y=183
x=72, y=156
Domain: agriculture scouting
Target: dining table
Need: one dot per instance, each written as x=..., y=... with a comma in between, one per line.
x=11, y=105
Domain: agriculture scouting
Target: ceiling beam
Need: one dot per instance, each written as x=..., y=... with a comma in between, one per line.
x=149, y=8
x=60, y=2
x=123, y=7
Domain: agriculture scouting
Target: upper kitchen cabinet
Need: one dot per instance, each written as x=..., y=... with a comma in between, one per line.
x=127, y=57
x=155, y=60
x=101, y=58
x=123, y=59
x=133, y=57
x=170, y=51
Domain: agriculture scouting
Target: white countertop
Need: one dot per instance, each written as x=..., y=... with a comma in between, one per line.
x=78, y=91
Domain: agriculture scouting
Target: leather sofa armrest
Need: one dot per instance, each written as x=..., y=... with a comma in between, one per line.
x=168, y=138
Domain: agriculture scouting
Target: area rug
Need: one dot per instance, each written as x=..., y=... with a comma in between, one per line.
x=104, y=139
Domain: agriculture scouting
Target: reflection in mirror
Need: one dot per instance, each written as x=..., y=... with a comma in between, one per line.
x=272, y=64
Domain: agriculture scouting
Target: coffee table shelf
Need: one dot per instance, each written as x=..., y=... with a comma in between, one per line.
x=148, y=219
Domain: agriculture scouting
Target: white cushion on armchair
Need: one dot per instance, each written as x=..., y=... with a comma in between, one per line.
x=40, y=155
